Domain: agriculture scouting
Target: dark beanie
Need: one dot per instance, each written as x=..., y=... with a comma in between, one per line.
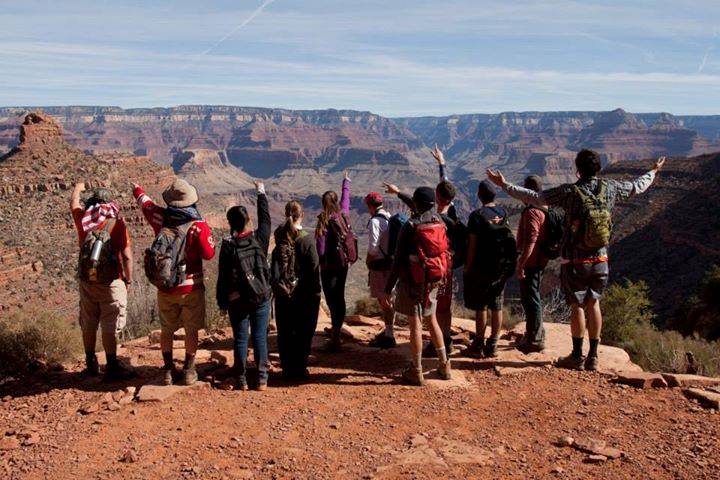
x=486, y=192
x=424, y=199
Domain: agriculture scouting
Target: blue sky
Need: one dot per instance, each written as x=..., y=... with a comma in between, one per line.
x=392, y=57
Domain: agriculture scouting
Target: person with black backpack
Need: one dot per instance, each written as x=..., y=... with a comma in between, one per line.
x=105, y=272
x=588, y=205
x=337, y=248
x=174, y=264
x=421, y=265
x=243, y=286
x=490, y=262
x=295, y=281
x=533, y=239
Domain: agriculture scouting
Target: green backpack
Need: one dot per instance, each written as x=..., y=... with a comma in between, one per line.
x=592, y=230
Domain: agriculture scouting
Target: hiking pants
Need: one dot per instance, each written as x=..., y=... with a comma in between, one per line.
x=333, y=285
x=296, y=318
x=250, y=320
x=532, y=304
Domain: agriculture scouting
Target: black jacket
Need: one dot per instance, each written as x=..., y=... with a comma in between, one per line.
x=261, y=236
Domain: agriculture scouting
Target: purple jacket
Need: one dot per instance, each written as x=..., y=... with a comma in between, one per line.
x=344, y=208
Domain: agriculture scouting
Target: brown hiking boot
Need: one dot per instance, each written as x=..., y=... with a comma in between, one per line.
x=169, y=375
x=413, y=376
x=571, y=362
x=592, y=363
x=475, y=349
x=444, y=370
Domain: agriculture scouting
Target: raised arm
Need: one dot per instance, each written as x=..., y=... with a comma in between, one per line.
x=222, y=293
x=345, y=196
x=406, y=199
x=440, y=158
x=640, y=185
x=152, y=212
x=523, y=194
x=262, y=234
x=75, y=197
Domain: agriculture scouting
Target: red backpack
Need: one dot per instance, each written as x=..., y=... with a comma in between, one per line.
x=434, y=258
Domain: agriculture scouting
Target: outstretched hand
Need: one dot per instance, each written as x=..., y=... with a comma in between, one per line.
x=390, y=188
x=80, y=187
x=438, y=154
x=347, y=175
x=258, y=184
x=496, y=177
x=134, y=185
x=659, y=164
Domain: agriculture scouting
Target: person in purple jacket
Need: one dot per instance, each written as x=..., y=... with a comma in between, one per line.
x=332, y=272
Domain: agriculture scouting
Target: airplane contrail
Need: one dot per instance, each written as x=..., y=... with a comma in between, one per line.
x=232, y=32
x=708, y=51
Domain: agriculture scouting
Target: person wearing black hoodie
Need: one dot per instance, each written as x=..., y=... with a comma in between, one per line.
x=243, y=288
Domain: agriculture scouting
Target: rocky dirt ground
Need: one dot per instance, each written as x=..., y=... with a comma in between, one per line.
x=512, y=417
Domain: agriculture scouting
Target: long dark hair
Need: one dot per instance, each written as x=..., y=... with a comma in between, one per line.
x=330, y=206
x=287, y=231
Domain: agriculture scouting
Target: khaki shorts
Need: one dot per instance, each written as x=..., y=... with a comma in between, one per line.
x=103, y=305
x=377, y=279
x=408, y=302
x=186, y=310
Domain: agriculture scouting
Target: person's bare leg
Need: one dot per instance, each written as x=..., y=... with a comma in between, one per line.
x=109, y=341
x=445, y=321
x=89, y=339
x=577, y=320
x=594, y=322
x=415, y=340
x=166, y=342
x=496, y=323
x=480, y=323
x=191, y=345
x=436, y=334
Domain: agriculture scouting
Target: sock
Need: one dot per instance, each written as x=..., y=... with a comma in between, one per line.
x=167, y=359
x=189, y=361
x=577, y=347
x=111, y=359
x=389, y=330
x=441, y=354
x=417, y=360
x=90, y=358
x=594, y=342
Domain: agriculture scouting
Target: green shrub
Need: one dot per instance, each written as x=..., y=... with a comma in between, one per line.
x=30, y=336
x=368, y=307
x=699, y=314
x=628, y=324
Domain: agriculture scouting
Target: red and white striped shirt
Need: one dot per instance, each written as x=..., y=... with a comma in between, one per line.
x=198, y=247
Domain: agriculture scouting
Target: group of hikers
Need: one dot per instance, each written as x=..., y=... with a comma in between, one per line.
x=413, y=261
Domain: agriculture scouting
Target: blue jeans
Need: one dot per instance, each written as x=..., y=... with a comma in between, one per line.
x=246, y=320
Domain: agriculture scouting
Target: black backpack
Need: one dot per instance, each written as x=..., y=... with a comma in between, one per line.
x=250, y=275
x=283, y=264
x=496, y=257
x=458, y=233
x=554, y=221
x=104, y=269
x=395, y=225
x=165, y=259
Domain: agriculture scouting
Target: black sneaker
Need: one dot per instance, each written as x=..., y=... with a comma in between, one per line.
x=118, y=372
x=475, y=349
x=592, y=363
x=92, y=368
x=449, y=346
x=383, y=341
x=429, y=351
x=531, y=347
x=332, y=346
x=571, y=362
x=490, y=350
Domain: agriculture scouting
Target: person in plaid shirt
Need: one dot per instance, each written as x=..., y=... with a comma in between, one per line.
x=584, y=272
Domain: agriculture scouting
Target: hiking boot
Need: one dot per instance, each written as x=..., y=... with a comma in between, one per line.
x=444, y=370
x=429, y=351
x=334, y=345
x=262, y=386
x=169, y=375
x=591, y=363
x=241, y=384
x=383, y=341
x=413, y=376
x=189, y=376
x=490, y=350
x=531, y=347
x=118, y=372
x=475, y=349
x=92, y=368
x=571, y=362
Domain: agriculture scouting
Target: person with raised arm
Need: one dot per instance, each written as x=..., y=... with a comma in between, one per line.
x=588, y=205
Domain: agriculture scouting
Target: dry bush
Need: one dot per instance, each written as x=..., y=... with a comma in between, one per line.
x=555, y=308
x=367, y=306
x=32, y=335
x=142, y=310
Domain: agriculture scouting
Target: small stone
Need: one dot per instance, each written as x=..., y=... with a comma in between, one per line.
x=113, y=407
x=126, y=400
x=565, y=441
x=9, y=443
x=129, y=456
x=595, y=459
x=89, y=408
x=641, y=379
x=7, y=398
x=31, y=439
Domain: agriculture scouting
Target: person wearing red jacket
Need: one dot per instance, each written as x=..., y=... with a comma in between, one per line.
x=184, y=304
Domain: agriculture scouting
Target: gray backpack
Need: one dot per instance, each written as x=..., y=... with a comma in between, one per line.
x=165, y=259
x=98, y=262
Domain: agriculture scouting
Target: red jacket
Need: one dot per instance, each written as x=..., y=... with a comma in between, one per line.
x=198, y=247
x=531, y=235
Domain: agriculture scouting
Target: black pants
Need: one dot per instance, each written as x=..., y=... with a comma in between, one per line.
x=296, y=318
x=333, y=284
x=532, y=303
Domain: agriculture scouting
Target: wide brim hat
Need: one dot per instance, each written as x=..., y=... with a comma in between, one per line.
x=180, y=194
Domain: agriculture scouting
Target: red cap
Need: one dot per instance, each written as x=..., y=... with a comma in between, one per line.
x=373, y=199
